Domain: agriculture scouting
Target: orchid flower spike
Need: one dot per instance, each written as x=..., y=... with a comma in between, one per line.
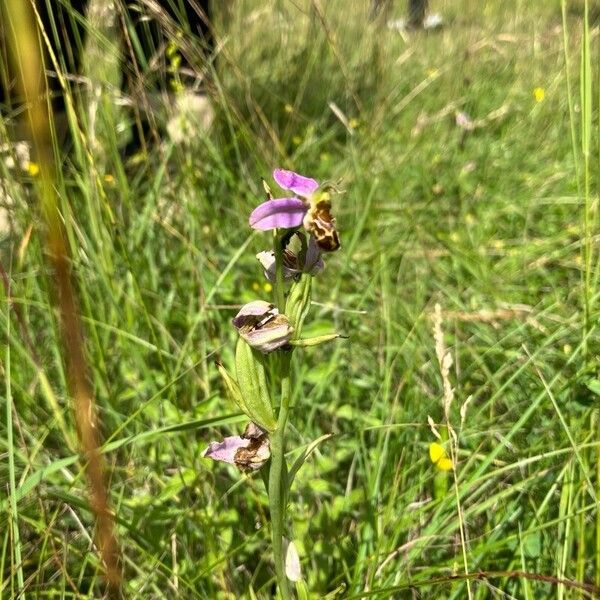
x=307, y=208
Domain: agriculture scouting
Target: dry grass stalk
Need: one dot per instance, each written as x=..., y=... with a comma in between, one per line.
x=26, y=55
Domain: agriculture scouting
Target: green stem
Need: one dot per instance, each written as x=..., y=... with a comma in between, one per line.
x=278, y=482
x=279, y=287
x=278, y=473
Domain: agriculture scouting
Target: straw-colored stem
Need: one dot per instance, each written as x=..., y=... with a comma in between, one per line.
x=27, y=59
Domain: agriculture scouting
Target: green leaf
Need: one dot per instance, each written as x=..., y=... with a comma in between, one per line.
x=594, y=386
x=532, y=544
x=304, y=455
x=253, y=386
x=233, y=388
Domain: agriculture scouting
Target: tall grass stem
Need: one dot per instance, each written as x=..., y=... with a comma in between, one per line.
x=26, y=55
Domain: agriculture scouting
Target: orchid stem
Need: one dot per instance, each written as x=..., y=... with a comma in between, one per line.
x=277, y=485
x=279, y=289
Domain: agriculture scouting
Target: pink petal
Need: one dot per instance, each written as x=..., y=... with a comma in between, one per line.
x=225, y=450
x=288, y=180
x=282, y=213
x=256, y=308
x=252, y=313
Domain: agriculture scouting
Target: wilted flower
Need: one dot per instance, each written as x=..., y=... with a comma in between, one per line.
x=298, y=257
x=262, y=326
x=248, y=452
x=313, y=210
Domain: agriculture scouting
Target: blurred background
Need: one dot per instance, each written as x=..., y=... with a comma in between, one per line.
x=465, y=149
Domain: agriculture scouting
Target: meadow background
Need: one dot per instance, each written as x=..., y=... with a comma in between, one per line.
x=496, y=224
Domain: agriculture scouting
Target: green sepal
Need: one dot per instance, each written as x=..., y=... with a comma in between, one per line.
x=253, y=386
x=315, y=341
x=233, y=388
x=298, y=304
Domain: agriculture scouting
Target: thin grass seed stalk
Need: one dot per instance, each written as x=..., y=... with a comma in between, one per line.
x=303, y=228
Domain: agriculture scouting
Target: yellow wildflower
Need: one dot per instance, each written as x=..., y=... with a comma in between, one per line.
x=439, y=458
x=289, y=108
x=297, y=140
x=353, y=123
x=256, y=286
x=539, y=93
x=268, y=287
x=33, y=168
x=108, y=178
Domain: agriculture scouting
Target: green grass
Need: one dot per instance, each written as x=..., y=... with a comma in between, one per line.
x=498, y=226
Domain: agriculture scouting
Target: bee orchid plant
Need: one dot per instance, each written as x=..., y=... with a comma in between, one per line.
x=303, y=228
